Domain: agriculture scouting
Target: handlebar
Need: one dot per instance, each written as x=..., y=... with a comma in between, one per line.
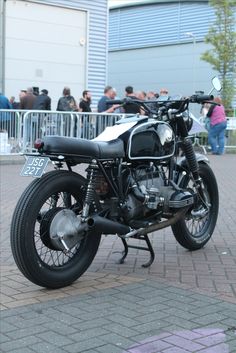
x=180, y=105
x=201, y=98
x=114, y=101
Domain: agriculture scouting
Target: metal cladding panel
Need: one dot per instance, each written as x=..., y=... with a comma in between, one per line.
x=97, y=40
x=158, y=24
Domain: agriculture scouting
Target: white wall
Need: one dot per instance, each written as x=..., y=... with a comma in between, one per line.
x=46, y=46
x=1, y=46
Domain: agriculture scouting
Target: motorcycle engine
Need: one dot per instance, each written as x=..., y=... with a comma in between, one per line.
x=149, y=195
x=145, y=185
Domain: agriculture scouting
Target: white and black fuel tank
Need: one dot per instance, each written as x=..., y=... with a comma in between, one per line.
x=151, y=140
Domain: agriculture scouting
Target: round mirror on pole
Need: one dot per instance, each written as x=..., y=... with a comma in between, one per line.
x=216, y=83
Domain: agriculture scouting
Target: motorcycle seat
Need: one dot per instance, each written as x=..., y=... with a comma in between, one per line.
x=82, y=147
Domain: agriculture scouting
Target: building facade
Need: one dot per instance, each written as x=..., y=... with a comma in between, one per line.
x=154, y=44
x=53, y=43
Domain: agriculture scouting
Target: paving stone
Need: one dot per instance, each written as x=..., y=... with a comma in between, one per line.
x=211, y=340
x=19, y=333
x=92, y=324
x=117, y=340
x=58, y=340
x=183, y=343
x=46, y=347
x=175, y=350
x=157, y=325
x=122, y=320
x=89, y=333
x=121, y=330
x=6, y=327
x=110, y=348
x=84, y=345
x=222, y=348
x=208, y=319
x=150, y=347
x=20, y=343
x=23, y=350
x=3, y=338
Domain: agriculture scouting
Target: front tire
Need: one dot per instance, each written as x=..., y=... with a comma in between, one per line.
x=36, y=258
x=193, y=233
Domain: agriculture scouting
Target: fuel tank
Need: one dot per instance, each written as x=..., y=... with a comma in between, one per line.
x=151, y=140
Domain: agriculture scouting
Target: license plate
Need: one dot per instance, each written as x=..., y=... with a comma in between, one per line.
x=34, y=166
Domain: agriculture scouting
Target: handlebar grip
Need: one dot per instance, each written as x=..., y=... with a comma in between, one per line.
x=114, y=101
x=203, y=98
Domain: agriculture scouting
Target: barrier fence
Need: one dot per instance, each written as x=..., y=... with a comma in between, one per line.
x=19, y=128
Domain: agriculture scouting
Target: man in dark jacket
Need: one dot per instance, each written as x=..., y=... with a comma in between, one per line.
x=28, y=100
x=131, y=108
x=42, y=101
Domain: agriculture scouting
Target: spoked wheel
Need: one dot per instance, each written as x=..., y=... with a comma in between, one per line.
x=47, y=240
x=197, y=226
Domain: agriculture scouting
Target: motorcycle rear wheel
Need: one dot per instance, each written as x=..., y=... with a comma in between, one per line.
x=34, y=255
x=193, y=233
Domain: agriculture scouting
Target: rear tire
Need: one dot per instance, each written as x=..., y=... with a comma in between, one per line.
x=42, y=264
x=191, y=233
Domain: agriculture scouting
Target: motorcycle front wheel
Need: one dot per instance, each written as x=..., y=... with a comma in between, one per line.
x=195, y=229
x=36, y=257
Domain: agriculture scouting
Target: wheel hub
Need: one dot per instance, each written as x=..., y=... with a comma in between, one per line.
x=66, y=230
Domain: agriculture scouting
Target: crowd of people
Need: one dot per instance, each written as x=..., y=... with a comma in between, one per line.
x=32, y=99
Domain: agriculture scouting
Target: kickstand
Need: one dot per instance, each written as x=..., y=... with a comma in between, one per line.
x=125, y=252
x=148, y=248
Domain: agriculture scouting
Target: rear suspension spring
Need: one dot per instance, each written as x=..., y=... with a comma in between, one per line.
x=89, y=197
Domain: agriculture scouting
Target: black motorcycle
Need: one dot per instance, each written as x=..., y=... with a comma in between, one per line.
x=142, y=175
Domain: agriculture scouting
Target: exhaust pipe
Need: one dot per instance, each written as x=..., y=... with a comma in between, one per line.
x=106, y=226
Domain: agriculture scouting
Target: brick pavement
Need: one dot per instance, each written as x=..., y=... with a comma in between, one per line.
x=184, y=303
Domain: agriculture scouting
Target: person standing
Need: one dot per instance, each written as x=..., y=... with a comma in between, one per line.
x=42, y=101
x=84, y=125
x=4, y=102
x=27, y=101
x=163, y=94
x=102, y=105
x=14, y=104
x=67, y=102
x=84, y=105
x=218, y=124
x=5, y=117
x=131, y=108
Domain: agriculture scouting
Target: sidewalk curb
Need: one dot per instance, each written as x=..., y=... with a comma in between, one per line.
x=12, y=159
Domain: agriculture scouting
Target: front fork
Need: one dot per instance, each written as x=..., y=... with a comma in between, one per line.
x=193, y=166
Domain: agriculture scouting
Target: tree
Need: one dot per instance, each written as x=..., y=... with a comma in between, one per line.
x=222, y=55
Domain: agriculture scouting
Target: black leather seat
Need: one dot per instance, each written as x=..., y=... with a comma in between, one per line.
x=83, y=147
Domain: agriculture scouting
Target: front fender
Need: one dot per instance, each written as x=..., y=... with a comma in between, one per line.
x=183, y=164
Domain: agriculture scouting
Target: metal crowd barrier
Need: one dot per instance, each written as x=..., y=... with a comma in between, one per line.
x=19, y=128
x=11, y=131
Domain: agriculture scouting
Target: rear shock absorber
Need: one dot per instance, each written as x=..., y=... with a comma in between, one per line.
x=89, y=197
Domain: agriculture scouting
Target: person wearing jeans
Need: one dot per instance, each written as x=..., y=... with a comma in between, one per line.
x=218, y=124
